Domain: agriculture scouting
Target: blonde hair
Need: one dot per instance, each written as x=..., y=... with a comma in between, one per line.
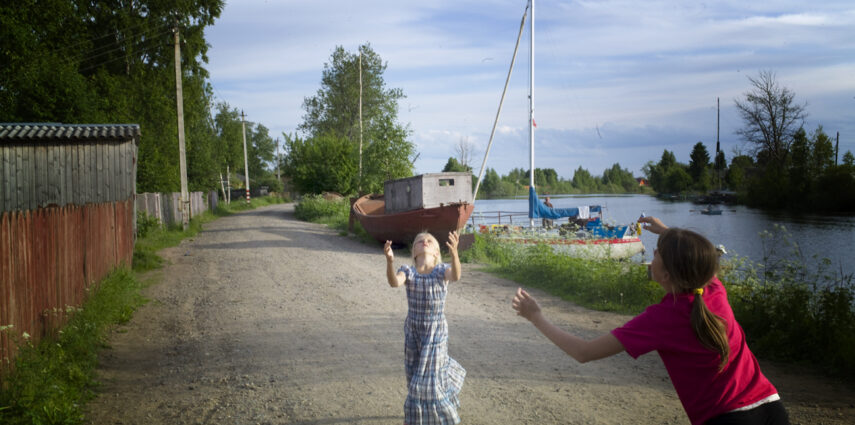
x=691, y=261
x=438, y=256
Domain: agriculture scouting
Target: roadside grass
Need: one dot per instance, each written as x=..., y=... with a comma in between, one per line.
x=792, y=309
x=52, y=380
x=334, y=213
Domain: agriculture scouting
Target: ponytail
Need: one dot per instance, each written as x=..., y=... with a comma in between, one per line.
x=691, y=260
x=710, y=330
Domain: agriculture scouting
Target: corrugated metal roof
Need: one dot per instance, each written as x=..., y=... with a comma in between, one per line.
x=67, y=132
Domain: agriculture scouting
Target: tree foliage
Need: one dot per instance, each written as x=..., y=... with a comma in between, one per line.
x=771, y=118
x=83, y=62
x=332, y=116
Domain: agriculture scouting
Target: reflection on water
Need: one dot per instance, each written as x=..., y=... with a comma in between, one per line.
x=738, y=227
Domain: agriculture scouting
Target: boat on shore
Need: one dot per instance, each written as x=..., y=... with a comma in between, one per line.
x=438, y=203
x=584, y=235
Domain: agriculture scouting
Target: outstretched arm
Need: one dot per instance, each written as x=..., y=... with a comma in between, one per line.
x=653, y=224
x=395, y=279
x=581, y=350
x=453, y=274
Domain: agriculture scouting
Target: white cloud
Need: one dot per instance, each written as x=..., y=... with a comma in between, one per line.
x=616, y=80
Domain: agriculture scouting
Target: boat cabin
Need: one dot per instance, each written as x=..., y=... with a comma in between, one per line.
x=427, y=191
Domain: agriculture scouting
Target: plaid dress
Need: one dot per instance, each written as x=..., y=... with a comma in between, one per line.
x=433, y=378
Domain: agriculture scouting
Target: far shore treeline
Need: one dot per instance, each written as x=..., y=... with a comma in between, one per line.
x=84, y=65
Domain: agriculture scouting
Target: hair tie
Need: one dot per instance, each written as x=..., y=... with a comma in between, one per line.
x=699, y=291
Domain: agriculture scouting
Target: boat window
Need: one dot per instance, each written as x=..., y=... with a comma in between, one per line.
x=446, y=182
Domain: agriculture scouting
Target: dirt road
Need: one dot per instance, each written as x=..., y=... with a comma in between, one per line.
x=264, y=319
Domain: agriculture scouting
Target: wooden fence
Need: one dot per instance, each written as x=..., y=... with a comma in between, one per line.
x=68, y=215
x=49, y=258
x=166, y=207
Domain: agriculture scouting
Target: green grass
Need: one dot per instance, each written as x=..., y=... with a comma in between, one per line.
x=792, y=309
x=52, y=380
x=334, y=213
x=607, y=285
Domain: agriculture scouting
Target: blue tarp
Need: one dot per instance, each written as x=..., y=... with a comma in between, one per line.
x=537, y=209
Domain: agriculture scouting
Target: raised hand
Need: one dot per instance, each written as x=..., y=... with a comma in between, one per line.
x=525, y=305
x=387, y=250
x=453, y=240
x=653, y=224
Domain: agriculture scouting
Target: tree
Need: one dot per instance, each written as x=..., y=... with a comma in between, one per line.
x=822, y=157
x=491, y=186
x=849, y=159
x=465, y=150
x=583, y=180
x=800, y=165
x=739, y=166
x=657, y=174
x=453, y=165
x=334, y=112
x=678, y=180
x=620, y=178
x=771, y=118
x=720, y=167
x=699, y=161
x=85, y=62
x=323, y=163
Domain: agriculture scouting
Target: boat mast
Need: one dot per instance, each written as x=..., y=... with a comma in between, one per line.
x=531, y=107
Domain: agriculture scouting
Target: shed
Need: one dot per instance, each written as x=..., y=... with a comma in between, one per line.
x=49, y=164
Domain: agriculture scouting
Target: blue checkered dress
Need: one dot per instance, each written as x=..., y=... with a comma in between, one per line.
x=433, y=378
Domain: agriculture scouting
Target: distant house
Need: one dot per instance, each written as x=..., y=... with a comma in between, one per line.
x=642, y=181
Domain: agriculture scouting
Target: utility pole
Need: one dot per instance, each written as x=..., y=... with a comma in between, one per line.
x=278, y=177
x=717, y=145
x=836, y=148
x=359, y=188
x=182, y=161
x=245, y=161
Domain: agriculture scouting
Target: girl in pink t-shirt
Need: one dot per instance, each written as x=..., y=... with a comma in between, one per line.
x=693, y=329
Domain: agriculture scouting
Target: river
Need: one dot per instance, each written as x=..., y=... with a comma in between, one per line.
x=738, y=228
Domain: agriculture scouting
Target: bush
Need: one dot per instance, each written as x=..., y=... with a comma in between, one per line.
x=793, y=309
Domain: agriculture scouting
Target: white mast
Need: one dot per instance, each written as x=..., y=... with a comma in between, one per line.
x=531, y=107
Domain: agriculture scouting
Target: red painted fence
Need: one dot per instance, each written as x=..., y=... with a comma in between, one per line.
x=48, y=259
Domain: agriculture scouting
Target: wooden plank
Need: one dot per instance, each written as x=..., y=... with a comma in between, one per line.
x=19, y=178
x=76, y=179
x=5, y=183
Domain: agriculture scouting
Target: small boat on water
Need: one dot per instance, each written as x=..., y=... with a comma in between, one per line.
x=438, y=203
x=711, y=210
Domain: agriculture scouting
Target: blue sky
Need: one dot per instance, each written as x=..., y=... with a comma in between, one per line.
x=615, y=81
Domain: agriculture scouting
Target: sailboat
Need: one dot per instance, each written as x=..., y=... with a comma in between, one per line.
x=589, y=236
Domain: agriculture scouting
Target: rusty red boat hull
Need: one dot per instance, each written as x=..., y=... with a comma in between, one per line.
x=402, y=228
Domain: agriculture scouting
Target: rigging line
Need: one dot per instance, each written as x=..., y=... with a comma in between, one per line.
x=141, y=37
x=156, y=27
x=90, y=57
x=501, y=101
x=102, y=63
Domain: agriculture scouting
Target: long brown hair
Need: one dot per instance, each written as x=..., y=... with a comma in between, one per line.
x=691, y=261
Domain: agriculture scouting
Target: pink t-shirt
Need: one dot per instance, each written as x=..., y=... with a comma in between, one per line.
x=704, y=392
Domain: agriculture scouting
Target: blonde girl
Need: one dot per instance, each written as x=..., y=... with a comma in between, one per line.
x=694, y=331
x=434, y=379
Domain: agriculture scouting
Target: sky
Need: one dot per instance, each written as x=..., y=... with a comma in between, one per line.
x=614, y=81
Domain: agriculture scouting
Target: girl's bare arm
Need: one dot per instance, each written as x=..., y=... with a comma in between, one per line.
x=454, y=273
x=580, y=349
x=395, y=279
